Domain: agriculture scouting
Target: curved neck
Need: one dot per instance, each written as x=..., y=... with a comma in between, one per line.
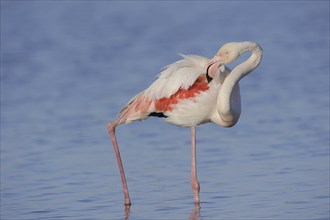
x=229, y=106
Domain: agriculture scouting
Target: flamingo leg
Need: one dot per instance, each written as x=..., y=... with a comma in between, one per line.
x=194, y=182
x=111, y=129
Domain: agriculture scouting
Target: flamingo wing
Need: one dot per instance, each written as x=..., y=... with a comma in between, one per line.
x=179, y=80
x=179, y=75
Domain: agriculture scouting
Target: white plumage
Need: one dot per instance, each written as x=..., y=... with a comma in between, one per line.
x=190, y=92
x=181, y=74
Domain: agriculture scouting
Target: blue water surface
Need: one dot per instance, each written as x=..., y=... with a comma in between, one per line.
x=67, y=68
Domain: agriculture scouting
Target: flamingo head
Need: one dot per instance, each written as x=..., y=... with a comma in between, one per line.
x=229, y=52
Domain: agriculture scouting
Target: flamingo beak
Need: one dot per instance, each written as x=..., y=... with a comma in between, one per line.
x=217, y=59
x=213, y=66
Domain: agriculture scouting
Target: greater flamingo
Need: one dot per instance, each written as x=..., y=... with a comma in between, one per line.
x=190, y=92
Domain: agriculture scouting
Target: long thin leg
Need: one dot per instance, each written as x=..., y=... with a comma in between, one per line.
x=111, y=129
x=194, y=181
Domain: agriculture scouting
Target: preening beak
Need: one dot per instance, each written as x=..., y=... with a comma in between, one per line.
x=213, y=66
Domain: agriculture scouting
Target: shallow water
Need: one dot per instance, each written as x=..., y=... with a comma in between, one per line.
x=67, y=67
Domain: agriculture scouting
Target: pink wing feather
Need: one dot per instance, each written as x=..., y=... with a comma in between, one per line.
x=173, y=81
